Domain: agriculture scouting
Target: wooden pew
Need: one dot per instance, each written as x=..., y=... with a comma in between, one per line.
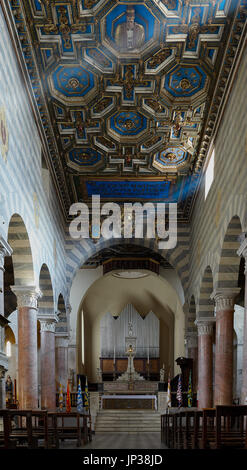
x=167, y=434
x=24, y=428
x=191, y=430
x=208, y=431
x=73, y=426
x=197, y=430
x=231, y=427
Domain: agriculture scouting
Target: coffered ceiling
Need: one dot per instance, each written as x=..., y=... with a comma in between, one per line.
x=129, y=91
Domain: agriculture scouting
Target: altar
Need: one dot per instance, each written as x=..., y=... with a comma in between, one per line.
x=130, y=401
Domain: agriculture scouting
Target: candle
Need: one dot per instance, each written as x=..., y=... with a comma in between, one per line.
x=148, y=353
x=114, y=358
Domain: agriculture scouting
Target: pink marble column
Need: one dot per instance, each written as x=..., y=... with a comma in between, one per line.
x=224, y=300
x=192, y=348
x=205, y=362
x=62, y=361
x=243, y=252
x=48, y=388
x=27, y=346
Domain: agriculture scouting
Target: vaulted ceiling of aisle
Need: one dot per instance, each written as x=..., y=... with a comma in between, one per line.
x=129, y=91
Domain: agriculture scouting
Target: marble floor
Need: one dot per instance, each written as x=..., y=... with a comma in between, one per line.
x=122, y=441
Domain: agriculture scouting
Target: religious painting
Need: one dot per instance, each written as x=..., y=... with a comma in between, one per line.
x=129, y=27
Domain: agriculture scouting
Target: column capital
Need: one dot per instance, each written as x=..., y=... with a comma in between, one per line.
x=47, y=325
x=205, y=325
x=27, y=296
x=5, y=250
x=224, y=297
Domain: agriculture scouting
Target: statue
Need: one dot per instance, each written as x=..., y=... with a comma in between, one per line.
x=99, y=375
x=129, y=35
x=9, y=389
x=162, y=374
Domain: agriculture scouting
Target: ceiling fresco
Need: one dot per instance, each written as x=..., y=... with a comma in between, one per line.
x=129, y=91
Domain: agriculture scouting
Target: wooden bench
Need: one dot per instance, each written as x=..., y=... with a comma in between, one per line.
x=231, y=427
x=72, y=426
x=209, y=428
x=24, y=428
x=191, y=430
x=167, y=429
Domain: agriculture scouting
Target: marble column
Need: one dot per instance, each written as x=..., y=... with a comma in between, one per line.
x=27, y=297
x=243, y=252
x=192, y=351
x=5, y=250
x=224, y=300
x=48, y=386
x=205, y=362
x=62, y=343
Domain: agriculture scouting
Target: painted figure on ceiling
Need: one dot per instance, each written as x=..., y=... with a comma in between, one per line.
x=129, y=35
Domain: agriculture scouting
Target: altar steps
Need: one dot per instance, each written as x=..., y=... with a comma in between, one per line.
x=128, y=421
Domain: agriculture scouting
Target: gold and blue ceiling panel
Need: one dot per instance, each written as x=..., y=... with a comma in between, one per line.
x=185, y=84
x=197, y=24
x=79, y=126
x=72, y=84
x=127, y=160
x=61, y=25
x=103, y=106
x=171, y=8
x=130, y=82
x=105, y=144
x=170, y=159
x=90, y=7
x=98, y=59
x=164, y=58
x=85, y=159
x=127, y=126
x=123, y=41
x=94, y=62
x=156, y=107
x=152, y=142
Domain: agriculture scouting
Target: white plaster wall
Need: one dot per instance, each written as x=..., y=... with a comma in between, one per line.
x=171, y=276
x=83, y=280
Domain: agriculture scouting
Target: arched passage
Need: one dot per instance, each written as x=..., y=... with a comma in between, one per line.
x=225, y=296
x=27, y=294
x=22, y=255
x=228, y=271
x=46, y=302
x=111, y=294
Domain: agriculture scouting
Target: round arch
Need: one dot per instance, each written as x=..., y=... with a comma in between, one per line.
x=22, y=255
x=228, y=269
x=62, y=323
x=151, y=293
x=46, y=302
x=84, y=249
